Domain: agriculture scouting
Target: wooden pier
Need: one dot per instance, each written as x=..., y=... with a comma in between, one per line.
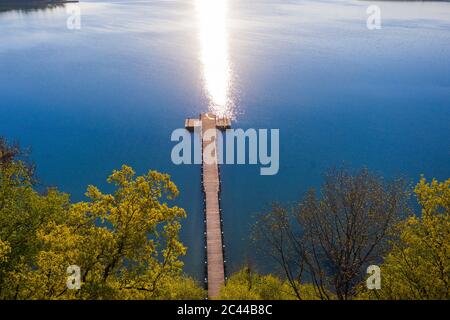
x=215, y=270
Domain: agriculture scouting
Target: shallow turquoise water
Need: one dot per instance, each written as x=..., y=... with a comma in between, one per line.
x=89, y=100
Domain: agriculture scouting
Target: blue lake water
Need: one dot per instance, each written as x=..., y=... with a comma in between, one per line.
x=89, y=100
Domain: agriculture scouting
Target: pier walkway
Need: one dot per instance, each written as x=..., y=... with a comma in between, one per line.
x=211, y=190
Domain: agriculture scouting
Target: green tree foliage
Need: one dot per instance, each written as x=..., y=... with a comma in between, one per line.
x=126, y=243
x=330, y=239
x=418, y=266
x=22, y=213
x=5, y=249
x=248, y=285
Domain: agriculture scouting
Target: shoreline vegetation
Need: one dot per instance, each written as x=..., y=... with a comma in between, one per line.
x=24, y=5
x=35, y=2
x=126, y=244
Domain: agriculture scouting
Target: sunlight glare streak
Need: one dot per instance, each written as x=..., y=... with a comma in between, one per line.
x=214, y=55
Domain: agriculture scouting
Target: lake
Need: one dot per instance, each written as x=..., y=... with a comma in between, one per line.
x=110, y=93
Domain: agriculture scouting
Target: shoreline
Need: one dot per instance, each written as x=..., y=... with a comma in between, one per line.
x=34, y=3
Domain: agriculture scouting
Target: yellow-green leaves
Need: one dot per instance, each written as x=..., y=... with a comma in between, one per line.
x=248, y=285
x=5, y=249
x=434, y=197
x=418, y=266
x=126, y=243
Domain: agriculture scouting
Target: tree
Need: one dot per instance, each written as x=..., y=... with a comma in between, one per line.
x=22, y=212
x=11, y=155
x=332, y=239
x=126, y=244
x=248, y=285
x=8, y=153
x=5, y=249
x=418, y=266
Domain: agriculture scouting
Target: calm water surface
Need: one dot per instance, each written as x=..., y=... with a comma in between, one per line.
x=88, y=101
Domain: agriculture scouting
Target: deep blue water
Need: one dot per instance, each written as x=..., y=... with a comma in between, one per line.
x=87, y=101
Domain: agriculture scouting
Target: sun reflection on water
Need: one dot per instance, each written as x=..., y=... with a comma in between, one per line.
x=214, y=55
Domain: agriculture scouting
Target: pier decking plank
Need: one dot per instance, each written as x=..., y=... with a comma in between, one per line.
x=211, y=187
